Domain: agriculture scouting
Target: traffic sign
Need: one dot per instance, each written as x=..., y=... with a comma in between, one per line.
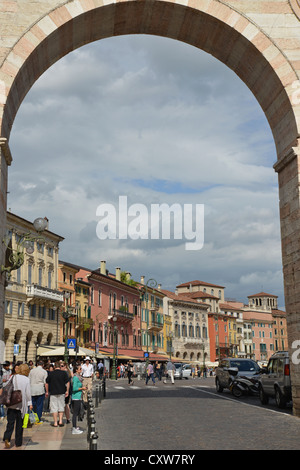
x=71, y=344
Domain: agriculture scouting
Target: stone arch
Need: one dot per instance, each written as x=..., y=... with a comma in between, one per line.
x=208, y=25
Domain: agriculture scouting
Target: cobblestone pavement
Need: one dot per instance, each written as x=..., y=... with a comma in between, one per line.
x=186, y=416
x=191, y=415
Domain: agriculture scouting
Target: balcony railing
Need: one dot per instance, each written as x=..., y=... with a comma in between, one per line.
x=121, y=313
x=35, y=291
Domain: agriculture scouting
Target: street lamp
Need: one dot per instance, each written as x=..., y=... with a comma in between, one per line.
x=152, y=283
x=15, y=258
x=66, y=315
x=114, y=366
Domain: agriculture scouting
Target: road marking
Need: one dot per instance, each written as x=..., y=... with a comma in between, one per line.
x=214, y=394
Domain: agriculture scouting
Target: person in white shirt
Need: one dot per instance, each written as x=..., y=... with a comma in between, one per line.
x=87, y=373
x=37, y=377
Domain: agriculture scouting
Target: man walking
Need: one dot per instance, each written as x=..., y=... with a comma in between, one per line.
x=37, y=377
x=57, y=385
x=87, y=374
x=170, y=371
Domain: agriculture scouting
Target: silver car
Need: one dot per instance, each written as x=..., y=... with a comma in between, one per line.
x=178, y=370
x=276, y=381
x=230, y=367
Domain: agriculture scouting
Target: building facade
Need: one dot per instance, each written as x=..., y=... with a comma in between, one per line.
x=190, y=339
x=32, y=297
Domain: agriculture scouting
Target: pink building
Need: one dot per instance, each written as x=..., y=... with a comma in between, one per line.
x=115, y=309
x=262, y=333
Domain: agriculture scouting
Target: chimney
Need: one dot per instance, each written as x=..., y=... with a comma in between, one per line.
x=159, y=287
x=176, y=291
x=142, y=279
x=118, y=274
x=128, y=276
x=103, y=267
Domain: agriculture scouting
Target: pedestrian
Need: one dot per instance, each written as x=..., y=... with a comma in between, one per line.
x=37, y=378
x=2, y=414
x=64, y=366
x=100, y=368
x=77, y=388
x=16, y=413
x=130, y=371
x=6, y=372
x=87, y=374
x=57, y=386
x=150, y=373
x=170, y=371
x=158, y=370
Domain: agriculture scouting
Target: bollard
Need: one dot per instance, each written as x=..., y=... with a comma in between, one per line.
x=97, y=396
x=93, y=442
x=104, y=387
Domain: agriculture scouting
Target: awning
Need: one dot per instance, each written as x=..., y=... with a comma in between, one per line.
x=71, y=352
x=133, y=354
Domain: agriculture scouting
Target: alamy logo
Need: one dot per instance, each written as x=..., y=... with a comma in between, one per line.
x=161, y=222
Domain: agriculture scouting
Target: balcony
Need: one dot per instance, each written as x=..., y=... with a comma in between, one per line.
x=84, y=323
x=39, y=293
x=155, y=325
x=121, y=314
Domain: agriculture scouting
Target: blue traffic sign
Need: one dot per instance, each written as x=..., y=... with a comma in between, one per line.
x=71, y=344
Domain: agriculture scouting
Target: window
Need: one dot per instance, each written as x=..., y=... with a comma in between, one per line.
x=8, y=307
x=21, y=307
x=40, y=275
x=49, y=279
x=99, y=298
x=29, y=272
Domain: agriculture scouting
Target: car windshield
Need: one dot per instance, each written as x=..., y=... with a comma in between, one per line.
x=245, y=365
x=178, y=365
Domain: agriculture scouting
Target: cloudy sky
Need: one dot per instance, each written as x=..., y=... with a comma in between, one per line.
x=157, y=121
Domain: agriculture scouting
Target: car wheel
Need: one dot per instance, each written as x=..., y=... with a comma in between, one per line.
x=264, y=399
x=219, y=386
x=279, y=398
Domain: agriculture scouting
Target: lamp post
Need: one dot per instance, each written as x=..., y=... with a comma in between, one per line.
x=66, y=315
x=152, y=284
x=114, y=366
x=14, y=258
x=170, y=341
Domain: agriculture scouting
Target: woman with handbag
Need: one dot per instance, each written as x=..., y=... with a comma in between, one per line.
x=16, y=412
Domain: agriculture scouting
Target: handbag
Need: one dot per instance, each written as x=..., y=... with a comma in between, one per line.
x=10, y=396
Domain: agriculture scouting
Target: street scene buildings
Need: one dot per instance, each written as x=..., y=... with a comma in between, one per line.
x=49, y=301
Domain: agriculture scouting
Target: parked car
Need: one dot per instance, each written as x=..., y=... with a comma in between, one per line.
x=178, y=371
x=186, y=371
x=276, y=381
x=231, y=367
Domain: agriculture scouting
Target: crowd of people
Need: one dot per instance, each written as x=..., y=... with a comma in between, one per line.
x=57, y=388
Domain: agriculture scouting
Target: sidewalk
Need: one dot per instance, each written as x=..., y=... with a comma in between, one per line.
x=46, y=437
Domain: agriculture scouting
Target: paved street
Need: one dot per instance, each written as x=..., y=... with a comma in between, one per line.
x=186, y=416
x=190, y=415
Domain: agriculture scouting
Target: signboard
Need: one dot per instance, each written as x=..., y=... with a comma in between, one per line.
x=16, y=349
x=71, y=343
x=146, y=354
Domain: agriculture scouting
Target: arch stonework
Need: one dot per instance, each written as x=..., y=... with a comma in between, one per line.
x=258, y=39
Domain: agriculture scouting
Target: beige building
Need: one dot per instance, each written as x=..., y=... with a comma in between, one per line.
x=190, y=341
x=32, y=298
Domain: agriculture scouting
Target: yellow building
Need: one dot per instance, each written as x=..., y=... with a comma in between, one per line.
x=32, y=298
x=84, y=322
x=152, y=319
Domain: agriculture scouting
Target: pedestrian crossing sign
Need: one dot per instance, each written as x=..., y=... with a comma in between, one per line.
x=71, y=343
